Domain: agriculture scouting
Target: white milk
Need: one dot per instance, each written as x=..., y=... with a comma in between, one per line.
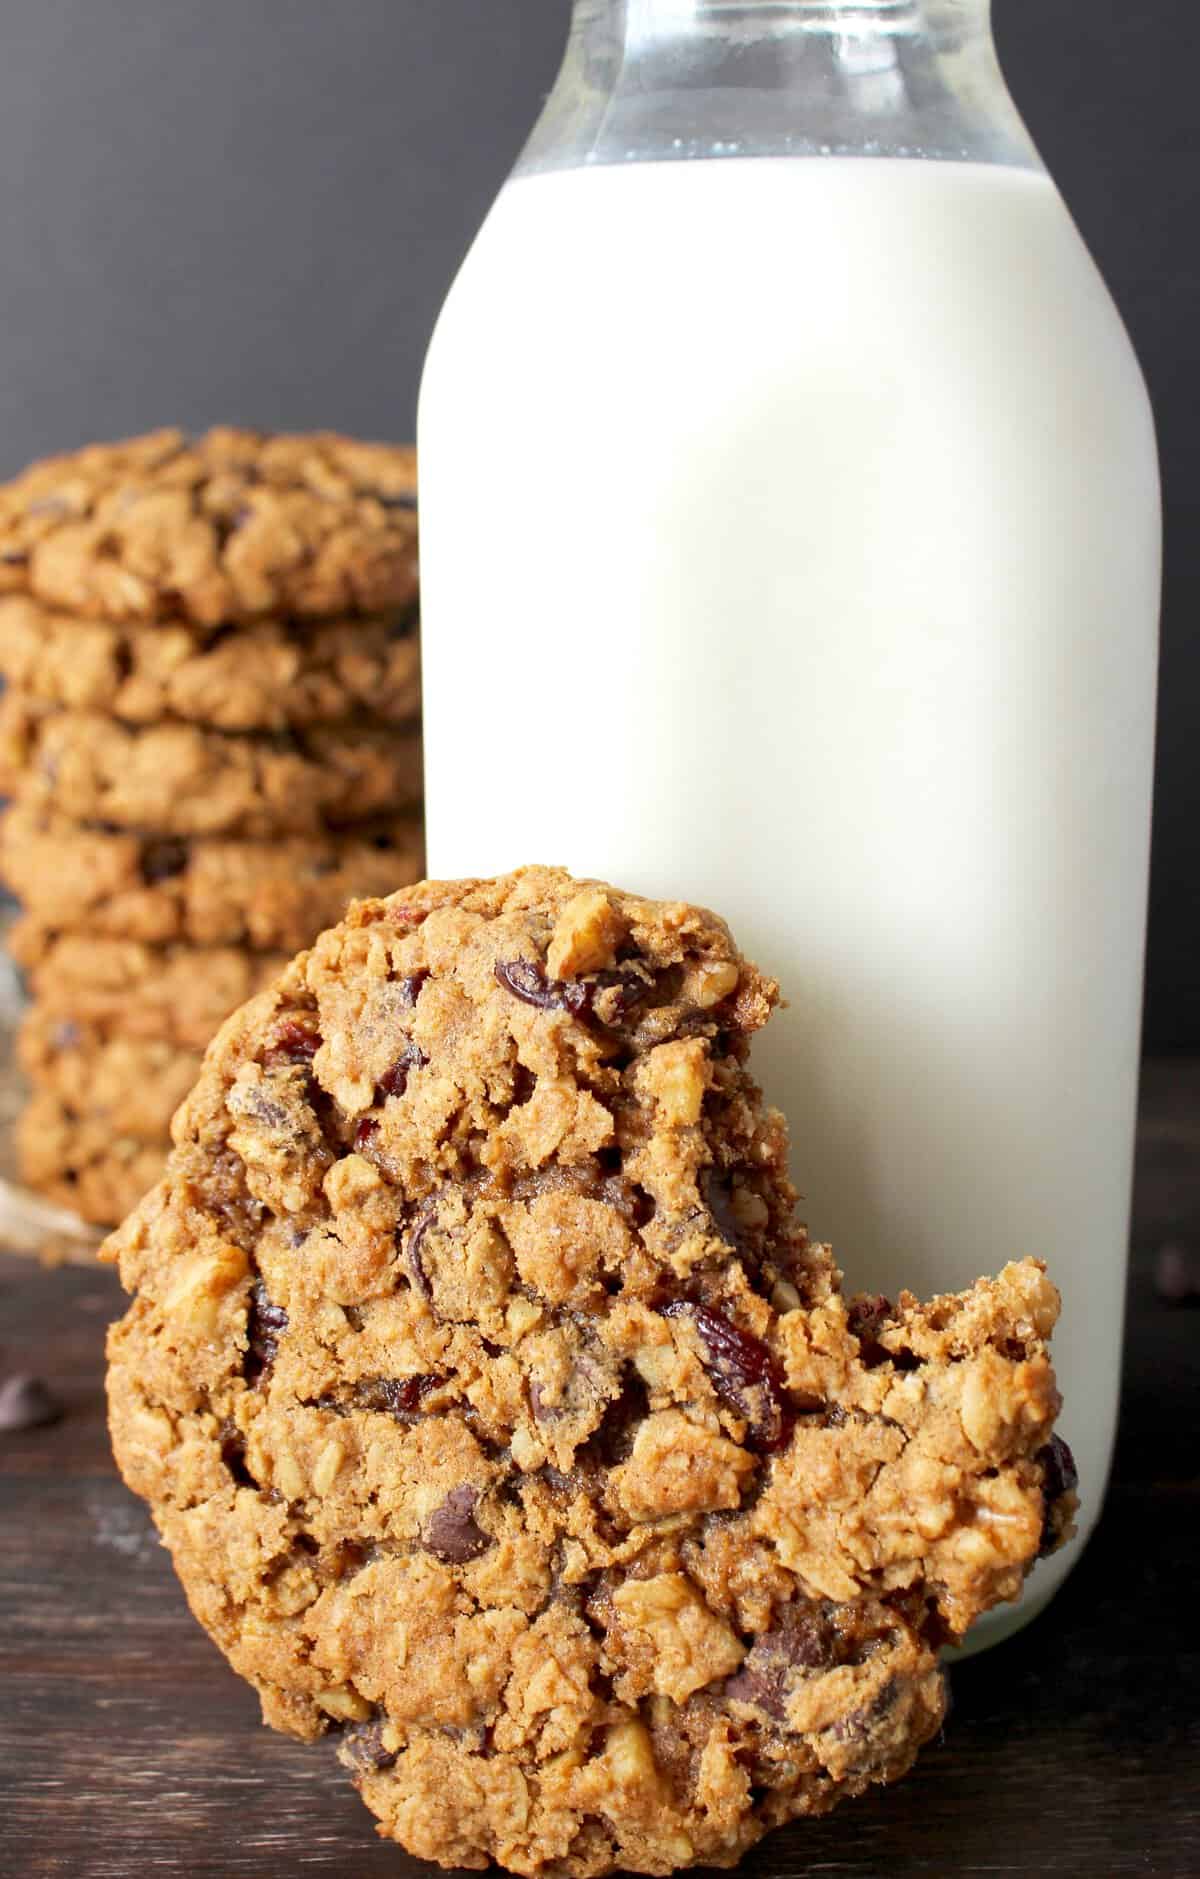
x=790, y=543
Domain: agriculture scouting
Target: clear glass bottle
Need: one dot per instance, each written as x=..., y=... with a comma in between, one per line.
x=790, y=541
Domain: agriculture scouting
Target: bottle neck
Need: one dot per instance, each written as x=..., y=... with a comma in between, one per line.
x=665, y=80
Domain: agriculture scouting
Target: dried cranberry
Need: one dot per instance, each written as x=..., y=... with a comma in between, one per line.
x=294, y=1042
x=394, y=1396
x=366, y=1132
x=412, y=1251
x=528, y=982
x=1060, y=1477
x=394, y=1082
x=409, y=987
x=743, y=1372
x=265, y=1325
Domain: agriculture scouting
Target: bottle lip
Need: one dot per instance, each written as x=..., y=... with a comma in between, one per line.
x=678, y=80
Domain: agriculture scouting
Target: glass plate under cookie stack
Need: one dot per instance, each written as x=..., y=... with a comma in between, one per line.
x=210, y=742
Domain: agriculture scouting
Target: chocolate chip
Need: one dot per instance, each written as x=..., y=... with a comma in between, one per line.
x=866, y=1317
x=716, y=1191
x=743, y=1372
x=394, y=1082
x=1177, y=1272
x=233, y=1454
x=265, y=1325
x=611, y=1443
x=803, y=1640
x=451, y=1532
x=26, y=1403
x=409, y=987
x=294, y=1042
x=859, y=1724
x=363, y=1747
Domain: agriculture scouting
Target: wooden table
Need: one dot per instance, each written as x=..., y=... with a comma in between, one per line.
x=127, y=1747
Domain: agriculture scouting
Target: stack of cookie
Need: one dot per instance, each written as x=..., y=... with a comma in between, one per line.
x=210, y=738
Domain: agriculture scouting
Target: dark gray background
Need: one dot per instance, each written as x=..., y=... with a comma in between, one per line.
x=249, y=210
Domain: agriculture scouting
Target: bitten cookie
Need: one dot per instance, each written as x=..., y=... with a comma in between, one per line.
x=179, y=994
x=274, y=676
x=181, y=779
x=503, y=1422
x=205, y=892
x=221, y=529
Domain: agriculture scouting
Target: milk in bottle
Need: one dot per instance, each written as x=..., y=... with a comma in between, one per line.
x=790, y=542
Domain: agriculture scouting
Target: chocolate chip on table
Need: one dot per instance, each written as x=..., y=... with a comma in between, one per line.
x=26, y=1403
x=265, y=1325
x=1177, y=1272
x=451, y=1530
x=742, y=1370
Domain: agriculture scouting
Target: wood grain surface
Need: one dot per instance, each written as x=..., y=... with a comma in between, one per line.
x=128, y=1748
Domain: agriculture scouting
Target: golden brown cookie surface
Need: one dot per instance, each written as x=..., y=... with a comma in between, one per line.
x=222, y=529
x=183, y=779
x=271, y=676
x=501, y=1419
x=205, y=892
x=84, y=1162
x=179, y=994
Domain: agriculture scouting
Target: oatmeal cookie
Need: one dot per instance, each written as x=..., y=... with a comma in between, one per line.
x=504, y=1424
x=81, y=1162
x=132, y=1084
x=207, y=892
x=222, y=529
x=179, y=994
x=181, y=779
x=273, y=676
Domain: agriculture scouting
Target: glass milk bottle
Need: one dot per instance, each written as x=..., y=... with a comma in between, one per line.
x=791, y=542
